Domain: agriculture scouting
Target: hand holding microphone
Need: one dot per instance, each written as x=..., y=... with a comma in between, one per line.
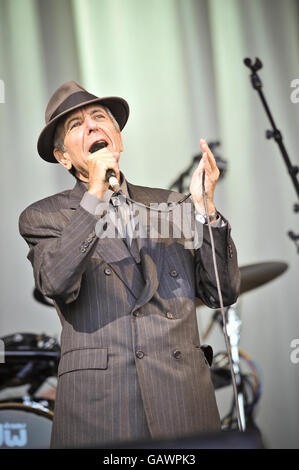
x=103, y=170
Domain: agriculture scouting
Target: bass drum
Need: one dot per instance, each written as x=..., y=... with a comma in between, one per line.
x=24, y=427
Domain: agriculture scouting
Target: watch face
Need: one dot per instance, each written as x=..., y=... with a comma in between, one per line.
x=201, y=218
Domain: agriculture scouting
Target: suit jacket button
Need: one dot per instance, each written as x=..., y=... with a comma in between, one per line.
x=177, y=354
x=173, y=273
x=170, y=315
x=83, y=246
x=107, y=271
x=139, y=354
x=137, y=313
x=91, y=237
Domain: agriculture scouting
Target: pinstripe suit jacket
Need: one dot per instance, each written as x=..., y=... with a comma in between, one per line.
x=131, y=363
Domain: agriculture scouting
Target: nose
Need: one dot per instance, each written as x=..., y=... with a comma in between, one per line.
x=90, y=124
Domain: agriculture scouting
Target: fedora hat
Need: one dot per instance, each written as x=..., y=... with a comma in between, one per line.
x=67, y=98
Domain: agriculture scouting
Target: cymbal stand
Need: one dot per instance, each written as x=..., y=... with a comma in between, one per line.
x=233, y=328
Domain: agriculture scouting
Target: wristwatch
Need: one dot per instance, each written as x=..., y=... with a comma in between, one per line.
x=203, y=219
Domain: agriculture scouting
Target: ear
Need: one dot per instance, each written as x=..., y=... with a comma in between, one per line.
x=121, y=147
x=63, y=158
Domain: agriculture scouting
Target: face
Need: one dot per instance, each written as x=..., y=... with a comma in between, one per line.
x=82, y=129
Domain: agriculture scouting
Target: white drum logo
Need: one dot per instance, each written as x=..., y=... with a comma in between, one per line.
x=13, y=435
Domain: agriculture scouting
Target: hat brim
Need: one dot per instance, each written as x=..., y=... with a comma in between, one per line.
x=118, y=107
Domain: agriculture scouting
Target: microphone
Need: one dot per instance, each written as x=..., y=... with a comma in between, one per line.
x=110, y=174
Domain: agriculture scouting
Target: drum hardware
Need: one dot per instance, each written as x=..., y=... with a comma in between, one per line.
x=28, y=403
x=250, y=386
x=221, y=373
x=42, y=405
x=29, y=360
x=20, y=355
x=233, y=326
x=252, y=276
x=33, y=372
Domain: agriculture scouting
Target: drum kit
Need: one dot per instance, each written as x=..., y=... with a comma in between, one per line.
x=26, y=422
x=248, y=385
x=31, y=359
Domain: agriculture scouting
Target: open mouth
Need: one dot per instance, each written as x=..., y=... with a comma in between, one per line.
x=98, y=146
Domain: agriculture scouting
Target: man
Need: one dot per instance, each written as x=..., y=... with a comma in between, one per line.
x=131, y=364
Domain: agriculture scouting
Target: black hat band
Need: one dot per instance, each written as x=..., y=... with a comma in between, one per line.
x=72, y=100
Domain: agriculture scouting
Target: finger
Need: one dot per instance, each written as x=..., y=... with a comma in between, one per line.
x=104, y=160
x=103, y=164
x=100, y=155
x=204, y=164
x=210, y=156
x=113, y=164
x=116, y=169
x=207, y=163
x=206, y=149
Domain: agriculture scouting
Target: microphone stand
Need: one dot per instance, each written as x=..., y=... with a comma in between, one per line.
x=233, y=327
x=275, y=134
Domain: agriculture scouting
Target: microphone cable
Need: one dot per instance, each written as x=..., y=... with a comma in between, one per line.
x=224, y=322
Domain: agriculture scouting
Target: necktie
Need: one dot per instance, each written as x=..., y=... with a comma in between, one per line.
x=127, y=224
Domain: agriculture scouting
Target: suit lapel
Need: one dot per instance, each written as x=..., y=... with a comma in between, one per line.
x=74, y=197
x=151, y=250
x=112, y=250
x=76, y=194
x=115, y=253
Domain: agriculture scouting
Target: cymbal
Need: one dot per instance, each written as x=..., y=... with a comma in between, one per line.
x=255, y=275
x=252, y=276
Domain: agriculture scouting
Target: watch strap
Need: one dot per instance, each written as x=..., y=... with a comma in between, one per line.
x=204, y=219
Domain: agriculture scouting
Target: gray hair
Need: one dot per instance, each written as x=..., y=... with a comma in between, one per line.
x=58, y=141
